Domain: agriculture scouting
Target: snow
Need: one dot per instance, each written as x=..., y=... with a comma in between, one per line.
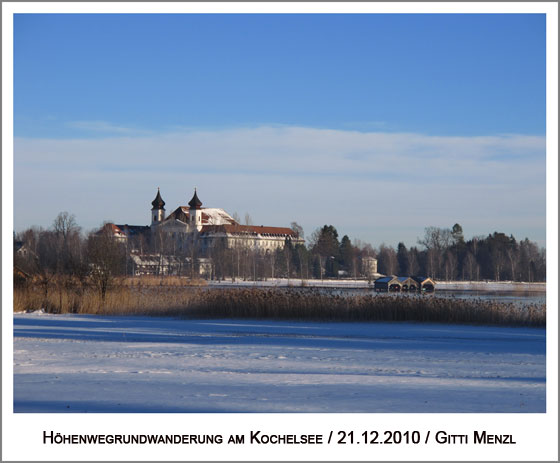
x=216, y=216
x=84, y=363
x=285, y=282
x=211, y=215
x=491, y=286
x=350, y=283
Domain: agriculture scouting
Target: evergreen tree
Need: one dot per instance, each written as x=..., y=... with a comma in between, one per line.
x=347, y=254
x=327, y=250
x=402, y=259
x=457, y=234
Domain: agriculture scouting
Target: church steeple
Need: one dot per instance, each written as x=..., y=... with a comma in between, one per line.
x=158, y=209
x=158, y=203
x=195, y=213
x=195, y=203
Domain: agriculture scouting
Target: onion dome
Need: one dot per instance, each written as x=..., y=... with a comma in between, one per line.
x=158, y=203
x=195, y=203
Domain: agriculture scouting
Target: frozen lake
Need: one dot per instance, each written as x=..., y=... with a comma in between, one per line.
x=85, y=363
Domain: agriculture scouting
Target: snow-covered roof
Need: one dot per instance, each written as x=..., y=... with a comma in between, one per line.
x=210, y=216
x=215, y=216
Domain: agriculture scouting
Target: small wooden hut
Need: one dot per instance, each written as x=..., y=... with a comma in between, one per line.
x=408, y=284
x=385, y=284
x=424, y=283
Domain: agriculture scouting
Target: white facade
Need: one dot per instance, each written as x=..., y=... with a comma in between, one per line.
x=158, y=216
x=369, y=266
x=207, y=226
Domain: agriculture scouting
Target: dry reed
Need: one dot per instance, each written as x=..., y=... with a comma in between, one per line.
x=280, y=304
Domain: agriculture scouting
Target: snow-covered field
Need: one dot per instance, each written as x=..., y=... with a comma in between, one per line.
x=79, y=363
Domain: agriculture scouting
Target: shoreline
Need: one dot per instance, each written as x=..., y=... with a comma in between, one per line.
x=492, y=286
x=358, y=284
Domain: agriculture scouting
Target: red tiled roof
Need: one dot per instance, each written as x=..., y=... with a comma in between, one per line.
x=116, y=230
x=133, y=229
x=123, y=230
x=110, y=228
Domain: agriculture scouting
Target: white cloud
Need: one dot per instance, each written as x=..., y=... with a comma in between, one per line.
x=354, y=180
x=103, y=127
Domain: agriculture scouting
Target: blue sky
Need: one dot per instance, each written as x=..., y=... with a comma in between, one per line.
x=309, y=118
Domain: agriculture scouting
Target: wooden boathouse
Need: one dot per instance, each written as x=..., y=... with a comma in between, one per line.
x=397, y=284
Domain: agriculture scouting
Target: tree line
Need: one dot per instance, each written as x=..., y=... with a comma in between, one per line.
x=63, y=250
x=63, y=256
x=446, y=255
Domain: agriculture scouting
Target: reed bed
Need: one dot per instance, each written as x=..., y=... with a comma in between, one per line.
x=275, y=304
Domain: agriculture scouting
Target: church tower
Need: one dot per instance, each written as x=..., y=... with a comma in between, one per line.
x=158, y=211
x=195, y=213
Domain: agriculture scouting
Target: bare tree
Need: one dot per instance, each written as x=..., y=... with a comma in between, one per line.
x=303, y=261
x=387, y=260
x=297, y=229
x=314, y=238
x=436, y=241
x=106, y=259
x=68, y=244
x=498, y=261
x=45, y=261
x=513, y=258
x=431, y=262
x=271, y=255
x=65, y=224
x=475, y=245
x=193, y=250
x=471, y=266
x=450, y=265
x=413, y=264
